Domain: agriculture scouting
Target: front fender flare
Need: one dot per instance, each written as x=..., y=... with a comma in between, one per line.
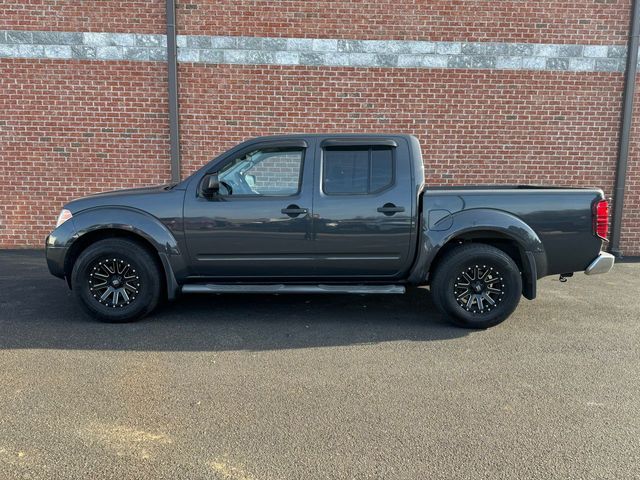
x=127, y=219
x=140, y=224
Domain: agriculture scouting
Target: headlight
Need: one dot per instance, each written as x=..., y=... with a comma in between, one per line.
x=63, y=217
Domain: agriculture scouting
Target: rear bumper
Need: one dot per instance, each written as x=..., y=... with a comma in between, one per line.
x=603, y=263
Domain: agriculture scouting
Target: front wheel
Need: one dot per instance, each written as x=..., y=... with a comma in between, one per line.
x=477, y=286
x=116, y=280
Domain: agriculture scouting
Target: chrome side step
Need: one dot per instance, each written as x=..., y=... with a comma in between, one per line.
x=281, y=288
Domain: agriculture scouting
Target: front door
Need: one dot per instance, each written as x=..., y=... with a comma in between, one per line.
x=259, y=224
x=363, y=208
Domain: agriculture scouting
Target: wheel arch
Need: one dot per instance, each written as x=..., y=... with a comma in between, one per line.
x=502, y=242
x=492, y=227
x=143, y=229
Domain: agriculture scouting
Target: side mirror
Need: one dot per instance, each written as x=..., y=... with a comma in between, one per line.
x=210, y=185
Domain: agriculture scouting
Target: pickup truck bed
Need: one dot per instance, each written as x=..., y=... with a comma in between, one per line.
x=562, y=218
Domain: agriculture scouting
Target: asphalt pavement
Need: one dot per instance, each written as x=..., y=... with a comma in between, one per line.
x=319, y=387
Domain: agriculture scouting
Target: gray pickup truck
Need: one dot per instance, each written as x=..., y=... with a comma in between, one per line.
x=325, y=214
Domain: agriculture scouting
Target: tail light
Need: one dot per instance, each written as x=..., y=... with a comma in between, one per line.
x=601, y=219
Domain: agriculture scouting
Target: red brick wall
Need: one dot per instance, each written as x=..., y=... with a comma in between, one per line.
x=545, y=21
x=474, y=126
x=70, y=128
x=630, y=244
x=139, y=16
x=551, y=21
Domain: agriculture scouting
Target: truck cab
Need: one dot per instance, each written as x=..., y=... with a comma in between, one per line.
x=304, y=208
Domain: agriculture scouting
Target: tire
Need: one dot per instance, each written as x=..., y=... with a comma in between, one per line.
x=491, y=275
x=126, y=268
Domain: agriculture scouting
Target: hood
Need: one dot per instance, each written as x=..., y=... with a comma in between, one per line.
x=131, y=191
x=125, y=197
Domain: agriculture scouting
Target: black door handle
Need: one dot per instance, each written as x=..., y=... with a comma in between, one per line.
x=389, y=209
x=294, y=211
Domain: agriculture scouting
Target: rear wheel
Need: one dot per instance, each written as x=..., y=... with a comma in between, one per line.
x=116, y=280
x=477, y=286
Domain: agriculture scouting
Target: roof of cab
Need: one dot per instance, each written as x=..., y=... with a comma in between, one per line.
x=330, y=135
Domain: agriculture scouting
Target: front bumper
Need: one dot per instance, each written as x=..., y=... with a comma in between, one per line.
x=56, y=247
x=55, y=260
x=603, y=263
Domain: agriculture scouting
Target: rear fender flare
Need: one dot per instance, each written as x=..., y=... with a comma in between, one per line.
x=486, y=220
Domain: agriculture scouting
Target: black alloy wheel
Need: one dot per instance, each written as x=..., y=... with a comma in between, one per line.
x=479, y=288
x=114, y=282
x=477, y=285
x=117, y=280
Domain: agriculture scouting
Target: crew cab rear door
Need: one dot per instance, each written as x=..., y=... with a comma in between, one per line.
x=363, y=207
x=259, y=224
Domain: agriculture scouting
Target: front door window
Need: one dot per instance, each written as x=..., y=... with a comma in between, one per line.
x=263, y=172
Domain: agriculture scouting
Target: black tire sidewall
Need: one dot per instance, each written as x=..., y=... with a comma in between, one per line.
x=130, y=252
x=458, y=261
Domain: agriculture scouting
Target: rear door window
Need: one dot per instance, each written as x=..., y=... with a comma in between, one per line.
x=357, y=170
